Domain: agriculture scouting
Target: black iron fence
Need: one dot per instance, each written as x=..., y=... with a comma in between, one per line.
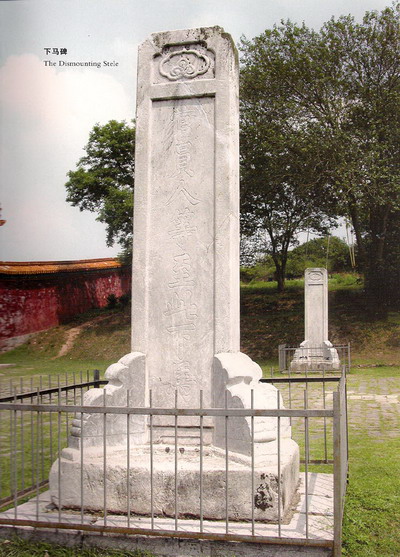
x=34, y=429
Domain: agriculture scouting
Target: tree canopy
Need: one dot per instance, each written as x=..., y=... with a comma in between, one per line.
x=319, y=124
x=104, y=179
x=319, y=115
x=329, y=251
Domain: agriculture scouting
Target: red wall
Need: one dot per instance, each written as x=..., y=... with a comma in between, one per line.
x=30, y=303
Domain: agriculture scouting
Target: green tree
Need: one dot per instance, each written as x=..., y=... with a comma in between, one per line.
x=338, y=91
x=330, y=252
x=367, y=140
x=283, y=167
x=104, y=179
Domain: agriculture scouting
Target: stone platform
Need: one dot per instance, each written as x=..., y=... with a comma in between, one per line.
x=241, y=500
x=320, y=528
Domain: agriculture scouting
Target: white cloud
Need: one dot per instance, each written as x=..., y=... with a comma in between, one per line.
x=46, y=118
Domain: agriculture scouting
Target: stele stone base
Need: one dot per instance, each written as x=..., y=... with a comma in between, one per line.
x=241, y=500
x=236, y=378
x=315, y=358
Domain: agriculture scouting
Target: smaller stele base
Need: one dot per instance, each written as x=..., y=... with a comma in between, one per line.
x=241, y=501
x=315, y=358
x=299, y=366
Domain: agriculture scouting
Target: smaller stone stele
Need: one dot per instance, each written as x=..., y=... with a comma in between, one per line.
x=316, y=352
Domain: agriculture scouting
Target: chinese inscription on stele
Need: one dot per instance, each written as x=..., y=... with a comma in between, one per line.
x=181, y=312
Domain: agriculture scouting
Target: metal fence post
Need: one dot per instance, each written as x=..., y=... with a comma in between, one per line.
x=337, y=477
x=96, y=378
x=348, y=356
x=282, y=357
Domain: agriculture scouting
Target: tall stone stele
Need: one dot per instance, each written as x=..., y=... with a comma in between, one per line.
x=316, y=352
x=185, y=310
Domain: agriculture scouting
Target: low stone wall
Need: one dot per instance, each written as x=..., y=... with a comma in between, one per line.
x=38, y=295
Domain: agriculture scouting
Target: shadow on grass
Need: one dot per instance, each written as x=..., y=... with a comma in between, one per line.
x=17, y=547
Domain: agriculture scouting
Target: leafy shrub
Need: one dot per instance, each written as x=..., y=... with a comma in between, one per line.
x=125, y=299
x=328, y=252
x=112, y=301
x=261, y=271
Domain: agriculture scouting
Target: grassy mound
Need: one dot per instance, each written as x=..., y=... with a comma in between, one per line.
x=267, y=320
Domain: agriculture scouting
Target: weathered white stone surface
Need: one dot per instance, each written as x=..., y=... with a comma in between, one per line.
x=316, y=351
x=316, y=305
x=236, y=383
x=241, y=499
x=185, y=304
x=320, y=525
x=125, y=387
x=186, y=223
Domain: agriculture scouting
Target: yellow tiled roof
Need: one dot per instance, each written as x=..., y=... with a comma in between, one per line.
x=41, y=267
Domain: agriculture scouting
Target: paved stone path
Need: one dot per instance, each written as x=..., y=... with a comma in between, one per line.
x=373, y=408
x=374, y=405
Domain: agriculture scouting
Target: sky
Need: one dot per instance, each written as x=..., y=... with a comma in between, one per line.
x=47, y=112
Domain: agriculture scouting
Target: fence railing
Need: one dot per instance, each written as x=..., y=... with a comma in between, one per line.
x=315, y=389
x=314, y=358
x=47, y=385
x=33, y=439
x=341, y=461
x=34, y=429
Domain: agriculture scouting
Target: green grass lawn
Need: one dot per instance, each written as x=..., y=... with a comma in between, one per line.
x=15, y=547
x=372, y=511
